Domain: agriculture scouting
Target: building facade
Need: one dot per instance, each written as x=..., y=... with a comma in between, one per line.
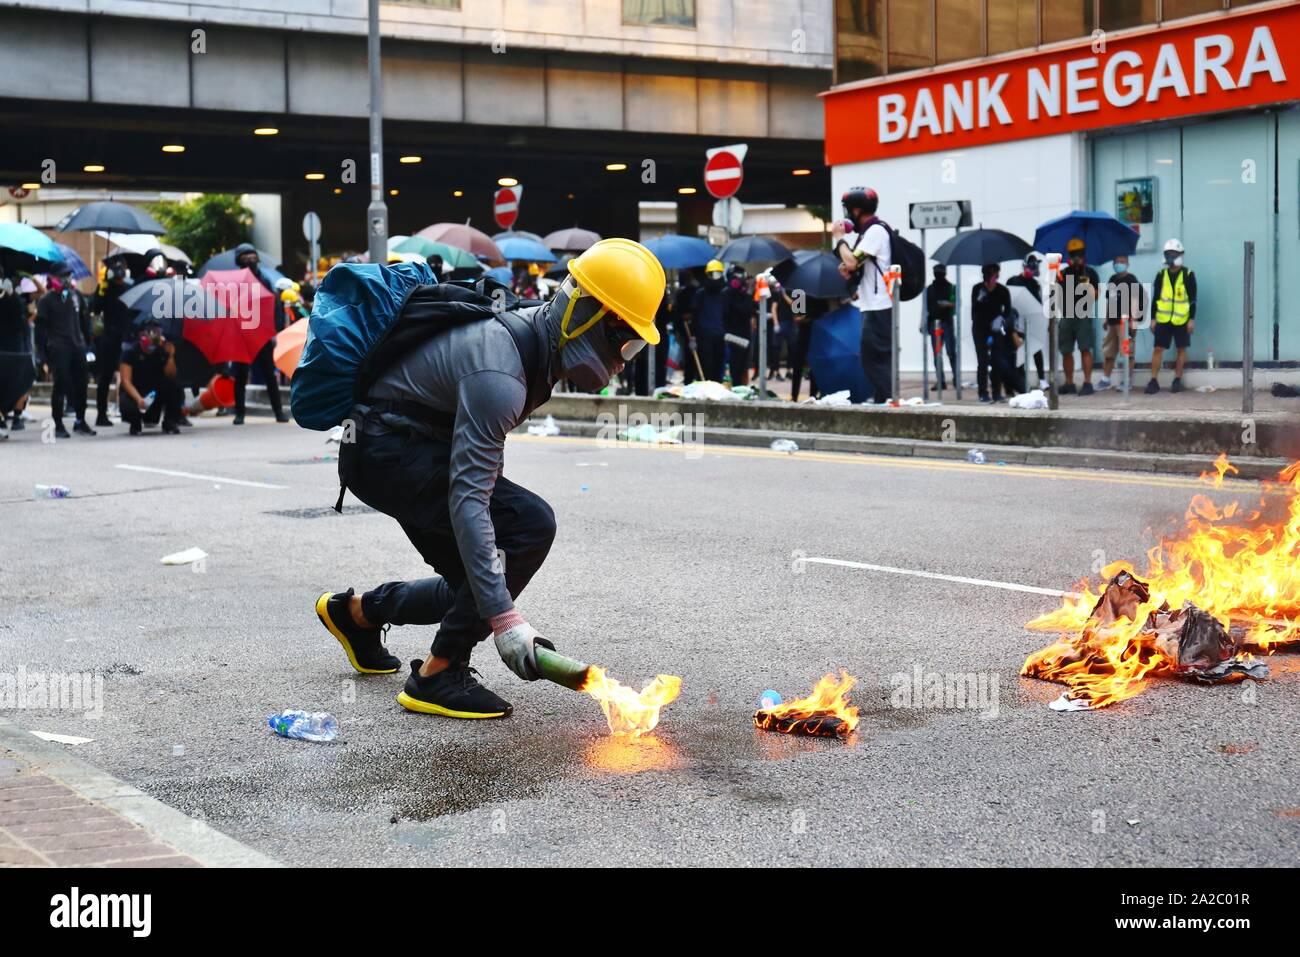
x=1178, y=118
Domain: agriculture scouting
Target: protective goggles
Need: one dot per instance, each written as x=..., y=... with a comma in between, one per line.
x=583, y=311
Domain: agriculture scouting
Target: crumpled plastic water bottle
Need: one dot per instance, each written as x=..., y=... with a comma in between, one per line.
x=976, y=457
x=51, y=491
x=784, y=445
x=305, y=726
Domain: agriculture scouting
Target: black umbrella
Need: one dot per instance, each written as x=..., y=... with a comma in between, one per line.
x=753, y=249
x=226, y=260
x=981, y=246
x=816, y=272
x=171, y=301
x=110, y=217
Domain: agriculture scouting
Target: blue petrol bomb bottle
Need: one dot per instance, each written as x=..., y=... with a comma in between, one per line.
x=305, y=726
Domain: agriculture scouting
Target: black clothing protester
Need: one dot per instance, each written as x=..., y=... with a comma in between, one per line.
x=876, y=346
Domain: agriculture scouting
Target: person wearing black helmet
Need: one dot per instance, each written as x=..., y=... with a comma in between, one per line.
x=864, y=252
x=112, y=328
x=246, y=257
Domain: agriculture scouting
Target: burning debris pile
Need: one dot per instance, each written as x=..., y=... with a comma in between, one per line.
x=826, y=713
x=1226, y=582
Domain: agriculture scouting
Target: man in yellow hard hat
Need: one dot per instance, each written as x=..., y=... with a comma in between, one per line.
x=428, y=452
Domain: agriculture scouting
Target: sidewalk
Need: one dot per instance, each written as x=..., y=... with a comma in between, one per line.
x=58, y=811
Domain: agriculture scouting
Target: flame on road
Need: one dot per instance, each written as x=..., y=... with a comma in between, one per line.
x=825, y=713
x=627, y=711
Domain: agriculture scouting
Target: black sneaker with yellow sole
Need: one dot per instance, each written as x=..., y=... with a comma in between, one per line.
x=364, y=646
x=453, y=692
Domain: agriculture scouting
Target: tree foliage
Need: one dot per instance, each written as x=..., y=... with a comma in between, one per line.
x=206, y=224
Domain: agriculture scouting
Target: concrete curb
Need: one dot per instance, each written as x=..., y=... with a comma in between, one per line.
x=1272, y=435
x=1145, y=462
x=204, y=844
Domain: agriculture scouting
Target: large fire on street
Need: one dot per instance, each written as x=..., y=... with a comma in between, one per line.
x=1227, y=581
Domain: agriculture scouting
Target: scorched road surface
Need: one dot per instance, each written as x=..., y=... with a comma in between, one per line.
x=695, y=566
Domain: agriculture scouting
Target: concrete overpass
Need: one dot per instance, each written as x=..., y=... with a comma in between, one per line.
x=546, y=91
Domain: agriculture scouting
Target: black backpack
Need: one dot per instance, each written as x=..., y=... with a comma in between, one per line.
x=907, y=256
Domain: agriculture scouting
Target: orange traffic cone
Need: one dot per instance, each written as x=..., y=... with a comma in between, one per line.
x=220, y=393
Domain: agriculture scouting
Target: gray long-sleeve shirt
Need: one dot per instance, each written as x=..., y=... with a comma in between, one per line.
x=475, y=372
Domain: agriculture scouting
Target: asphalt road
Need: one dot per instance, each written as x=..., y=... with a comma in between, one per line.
x=664, y=563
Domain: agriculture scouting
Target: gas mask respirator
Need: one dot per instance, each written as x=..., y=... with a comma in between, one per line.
x=593, y=341
x=1174, y=260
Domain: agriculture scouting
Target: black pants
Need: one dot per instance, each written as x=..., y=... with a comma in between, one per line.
x=404, y=473
x=799, y=358
x=877, y=346
x=166, y=404
x=265, y=363
x=778, y=335
x=983, y=358
x=1007, y=376
x=69, y=370
x=949, y=346
x=712, y=349
x=108, y=355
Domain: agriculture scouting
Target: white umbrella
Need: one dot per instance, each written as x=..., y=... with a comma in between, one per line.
x=141, y=243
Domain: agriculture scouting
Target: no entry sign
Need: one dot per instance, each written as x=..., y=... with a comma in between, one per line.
x=723, y=172
x=505, y=205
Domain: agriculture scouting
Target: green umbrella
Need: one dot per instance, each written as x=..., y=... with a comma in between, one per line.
x=453, y=257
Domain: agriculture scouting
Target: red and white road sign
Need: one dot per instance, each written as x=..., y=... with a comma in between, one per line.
x=17, y=192
x=505, y=205
x=723, y=173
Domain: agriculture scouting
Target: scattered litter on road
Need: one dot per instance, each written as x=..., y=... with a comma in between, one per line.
x=976, y=457
x=768, y=700
x=784, y=445
x=1206, y=389
x=592, y=465
x=304, y=726
x=545, y=428
x=71, y=739
x=51, y=491
x=648, y=433
x=583, y=488
x=825, y=713
x=1029, y=400
x=187, y=557
x=1134, y=822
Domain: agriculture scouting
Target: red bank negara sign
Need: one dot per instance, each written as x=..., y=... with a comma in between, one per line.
x=1224, y=63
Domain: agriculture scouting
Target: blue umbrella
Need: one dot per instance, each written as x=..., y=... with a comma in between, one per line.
x=834, y=354
x=226, y=260
x=78, y=265
x=681, y=252
x=501, y=274
x=1104, y=236
x=21, y=238
x=529, y=250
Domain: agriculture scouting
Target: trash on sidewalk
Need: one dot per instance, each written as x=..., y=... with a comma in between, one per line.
x=547, y=427
x=976, y=457
x=648, y=433
x=1034, y=399
x=1206, y=389
x=187, y=557
x=825, y=713
x=1284, y=391
x=71, y=739
x=835, y=398
x=784, y=445
x=334, y=435
x=51, y=491
x=304, y=726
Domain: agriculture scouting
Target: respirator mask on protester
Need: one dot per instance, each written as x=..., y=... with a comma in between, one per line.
x=593, y=341
x=1174, y=260
x=150, y=340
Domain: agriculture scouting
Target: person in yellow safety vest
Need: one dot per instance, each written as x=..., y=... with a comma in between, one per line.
x=1174, y=310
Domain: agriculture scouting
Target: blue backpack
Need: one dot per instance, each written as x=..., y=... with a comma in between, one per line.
x=366, y=316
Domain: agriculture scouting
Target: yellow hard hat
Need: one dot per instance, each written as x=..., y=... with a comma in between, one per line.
x=626, y=279
x=1074, y=245
x=715, y=265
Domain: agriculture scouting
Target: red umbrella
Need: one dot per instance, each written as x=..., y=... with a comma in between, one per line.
x=463, y=236
x=245, y=319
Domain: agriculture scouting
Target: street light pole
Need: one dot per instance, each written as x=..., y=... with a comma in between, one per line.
x=377, y=211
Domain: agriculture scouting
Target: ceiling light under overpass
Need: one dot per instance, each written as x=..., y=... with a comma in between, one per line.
x=315, y=176
x=392, y=192
x=409, y=160
x=507, y=181
x=173, y=148
x=266, y=131
x=800, y=172
x=31, y=185
x=616, y=167
x=687, y=191
x=458, y=193
x=92, y=168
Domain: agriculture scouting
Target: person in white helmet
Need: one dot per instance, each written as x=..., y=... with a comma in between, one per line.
x=1174, y=311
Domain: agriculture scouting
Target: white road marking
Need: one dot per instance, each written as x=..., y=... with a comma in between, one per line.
x=201, y=478
x=959, y=579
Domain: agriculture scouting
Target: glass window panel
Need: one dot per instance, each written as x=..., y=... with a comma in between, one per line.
x=1122, y=14
x=1066, y=19
x=663, y=13
x=911, y=34
x=1012, y=25
x=961, y=30
x=1172, y=9
x=859, y=40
